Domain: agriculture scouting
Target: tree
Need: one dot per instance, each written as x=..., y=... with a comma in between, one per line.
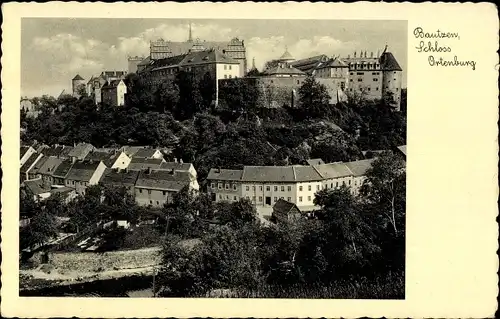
x=238, y=214
x=167, y=96
x=385, y=188
x=42, y=227
x=350, y=241
x=313, y=98
x=337, y=147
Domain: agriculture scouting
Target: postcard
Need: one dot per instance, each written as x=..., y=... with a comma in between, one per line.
x=249, y=160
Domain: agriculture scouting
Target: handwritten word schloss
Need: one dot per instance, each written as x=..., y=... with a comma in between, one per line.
x=435, y=46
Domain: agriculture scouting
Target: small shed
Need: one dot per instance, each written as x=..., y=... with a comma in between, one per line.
x=284, y=211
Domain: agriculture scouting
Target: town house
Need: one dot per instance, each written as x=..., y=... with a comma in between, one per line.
x=110, y=158
x=25, y=153
x=156, y=187
x=120, y=178
x=83, y=174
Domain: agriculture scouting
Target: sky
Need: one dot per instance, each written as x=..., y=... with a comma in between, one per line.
x=54, y=50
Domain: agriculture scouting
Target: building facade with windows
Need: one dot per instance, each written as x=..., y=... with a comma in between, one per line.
x=297, y=184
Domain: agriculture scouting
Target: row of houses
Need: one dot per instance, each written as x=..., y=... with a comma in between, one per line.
x=144, y=171
x=297, y=184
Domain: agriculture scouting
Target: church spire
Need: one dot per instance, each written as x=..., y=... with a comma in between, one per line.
x=190, y=39
x=253, y=63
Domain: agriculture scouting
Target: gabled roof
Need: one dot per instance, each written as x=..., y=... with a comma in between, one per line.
x=389, y=63
x=139, y=163
x=283, y=69
x=78, y=77
x=359, y=168
x=184, y=167
x=62, y=169
x=279, y=174
x=333, y=170
x=131, y=150
x=30, y=162
x=65, y=152
x=82, y=171
x=145, y=152
x=50, y=165
x=163, y=180
x=119, y=177
x=81, y=150
x=39, y=164
x=305, y=174
x=284, y=206
x=111, y=84
x=207, y=56
x=53, y=150
x=225, y=174
x=36, y=187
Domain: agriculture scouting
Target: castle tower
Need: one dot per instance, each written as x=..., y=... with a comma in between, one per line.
x=77, y=85
x=236, y=49
x=392, y=77
x=286, y=57
x=159, y=49
x=133, y=61
x=190, y=38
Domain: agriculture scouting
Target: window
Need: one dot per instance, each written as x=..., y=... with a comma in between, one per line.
x=225, y=76
x=350, y=80
x=268, y=188
x=337, y=184
x=272, y=81
x=276, y=199
x=157, y=203
x=355, y=183
x=375, y=79
x=140, y=191
x=248, y=197
x=349, y=182
x=220, y=196
x=253, y=188
x=225, y=67
x=350, y=89
x=289, y=188
x=309, y=188
x=164, y=193
x=317, y=187
x=260, y=187
x=253, y=198
x=229, y=67
x=219, y=185
x=300, y=199
x=248, y=188
x=369, y=89
x=151, y=202
x=227, y=186
x=343, y=183
x=289, y=199
x=282, y=197
x=227, y=197
x=376, y=88
x=308, y=198
x=73, y=182
x=360, y=73
x=230, y=76
x=298, y=82
x=342, y=85
x=149, y=191
x=282, y=188
x=300, y=188
x=275, y=188
x=360, y=80
x=260, y=199
x=396, y=89
x=235, y=198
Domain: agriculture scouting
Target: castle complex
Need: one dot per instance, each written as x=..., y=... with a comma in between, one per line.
x=161, y=50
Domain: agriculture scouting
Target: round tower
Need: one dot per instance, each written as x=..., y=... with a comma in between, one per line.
x=286, y=57
x=77, y=85
x=392, y=77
